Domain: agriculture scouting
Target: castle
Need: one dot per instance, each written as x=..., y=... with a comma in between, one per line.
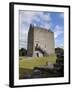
x=40, y=42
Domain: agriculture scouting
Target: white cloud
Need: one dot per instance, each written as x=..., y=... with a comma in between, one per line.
x=26, y=18
x=45, y=17
x=46, y=25
x=59, y=43
x=58, y=30
x=23, y=36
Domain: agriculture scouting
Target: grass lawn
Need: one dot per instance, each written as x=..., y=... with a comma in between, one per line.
x=26, y=64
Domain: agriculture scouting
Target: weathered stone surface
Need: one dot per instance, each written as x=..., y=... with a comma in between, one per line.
x=42, y=38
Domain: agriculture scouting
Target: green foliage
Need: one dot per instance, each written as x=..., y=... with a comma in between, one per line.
x=22, y=52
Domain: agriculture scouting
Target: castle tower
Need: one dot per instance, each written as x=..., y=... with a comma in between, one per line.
x=40, y=42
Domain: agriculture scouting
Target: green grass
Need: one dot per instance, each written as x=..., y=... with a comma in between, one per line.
x=26, y=64
x=31, y=62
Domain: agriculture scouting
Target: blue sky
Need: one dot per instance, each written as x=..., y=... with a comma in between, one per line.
x=48, y=20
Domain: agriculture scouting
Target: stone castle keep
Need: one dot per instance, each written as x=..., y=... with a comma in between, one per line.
x=40, y=42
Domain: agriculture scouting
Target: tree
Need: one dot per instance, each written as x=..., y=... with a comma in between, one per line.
x=22, y=52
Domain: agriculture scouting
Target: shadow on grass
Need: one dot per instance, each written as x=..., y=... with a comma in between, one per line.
x=29, y=74
x=24, y=73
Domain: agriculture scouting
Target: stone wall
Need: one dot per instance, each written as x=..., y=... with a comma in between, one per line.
x=43, y=38
x=30, y=41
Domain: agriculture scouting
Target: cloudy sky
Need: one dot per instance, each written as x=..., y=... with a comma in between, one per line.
x=48, y=20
